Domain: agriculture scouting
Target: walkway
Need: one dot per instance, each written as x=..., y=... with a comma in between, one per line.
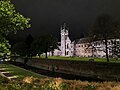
x=7, y=73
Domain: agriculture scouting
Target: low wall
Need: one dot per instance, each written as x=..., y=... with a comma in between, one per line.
x=100, y=70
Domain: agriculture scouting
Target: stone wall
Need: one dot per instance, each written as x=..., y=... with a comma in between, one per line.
x=100, y=70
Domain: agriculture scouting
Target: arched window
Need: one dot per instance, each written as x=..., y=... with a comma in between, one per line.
x=67, y=46
x=67, y=52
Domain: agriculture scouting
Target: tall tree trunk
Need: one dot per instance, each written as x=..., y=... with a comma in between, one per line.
x=39, y=55
x=46, y=55
x=93, y=52
x=106, y=49
x=46, y=50
x=52, y=52
x=25, y=62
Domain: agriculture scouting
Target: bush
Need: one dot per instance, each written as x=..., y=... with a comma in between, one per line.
x=3, y=80
x=30, y=83
x=47, y=83
x=90, y=87
x=63, y=86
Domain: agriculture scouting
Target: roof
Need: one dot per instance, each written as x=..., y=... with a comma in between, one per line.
x=82, y=40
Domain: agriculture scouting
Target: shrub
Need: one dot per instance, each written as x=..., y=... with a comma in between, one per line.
x=90, y=87
x=30, y=83
x=3, y=80
x=63, y=86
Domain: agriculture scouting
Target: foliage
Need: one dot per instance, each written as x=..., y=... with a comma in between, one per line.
x=43, y=45
x=115, y=48
x=104, y=29
x=4, y=46
x=47, y=83
x=23, y=48
x=10, y=21
x=90, y=87
x=3, y=80
x=36, y=47
x=36, y=84
x=29, y=40
x=49, y=43
x=20, y=48
x=63, y=86
x=32, y=47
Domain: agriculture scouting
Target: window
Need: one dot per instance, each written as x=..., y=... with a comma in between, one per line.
x=67, y=52
x=67, y=46
x=81, y=45
x=117, y=42
x=88, y=51
x=95, y=44
x=98, y=43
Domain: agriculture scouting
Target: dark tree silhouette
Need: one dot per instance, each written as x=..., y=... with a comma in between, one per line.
x=104, y=29
x=44, y=44
x=29, y=40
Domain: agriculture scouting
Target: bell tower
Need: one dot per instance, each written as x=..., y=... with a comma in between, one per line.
x=64, y=35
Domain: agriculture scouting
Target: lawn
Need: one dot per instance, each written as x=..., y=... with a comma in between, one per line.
x=83, y=59
x=20, y=72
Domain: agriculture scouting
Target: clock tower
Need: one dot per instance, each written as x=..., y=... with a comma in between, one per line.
x=64, y=36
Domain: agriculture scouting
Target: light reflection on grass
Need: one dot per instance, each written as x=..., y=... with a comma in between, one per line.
x=17, y=71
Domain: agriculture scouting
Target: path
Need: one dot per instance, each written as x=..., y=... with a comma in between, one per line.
x=6, y=73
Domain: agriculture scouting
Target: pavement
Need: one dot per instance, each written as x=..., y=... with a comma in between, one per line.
x=7, y=74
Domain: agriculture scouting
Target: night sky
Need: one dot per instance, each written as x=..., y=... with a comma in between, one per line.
x=47, y=15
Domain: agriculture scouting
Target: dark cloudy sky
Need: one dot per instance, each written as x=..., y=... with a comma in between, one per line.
x=47, y=15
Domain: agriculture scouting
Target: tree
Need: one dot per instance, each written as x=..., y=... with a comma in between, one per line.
x=36, y=47
x=20, y=48
x=49, y=43
x=10, y=21
x=23, y=48
x=44, y=44
x=115, y=48
x=52, y=44
x=29, y=41
x=104, y=29
x=4, y=46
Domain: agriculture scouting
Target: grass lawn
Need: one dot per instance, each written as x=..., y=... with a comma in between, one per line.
x=83, y=59
x=20, y=72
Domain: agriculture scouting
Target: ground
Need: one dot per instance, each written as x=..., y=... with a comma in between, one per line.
x=33, y=81
x=14, y=71
x=83, y=58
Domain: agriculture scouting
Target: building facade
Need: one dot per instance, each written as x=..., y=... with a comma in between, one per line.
x=81, y=47
x=66, y=44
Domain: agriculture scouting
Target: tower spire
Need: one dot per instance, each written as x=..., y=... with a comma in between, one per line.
x=64, y=26
x=61, y=27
